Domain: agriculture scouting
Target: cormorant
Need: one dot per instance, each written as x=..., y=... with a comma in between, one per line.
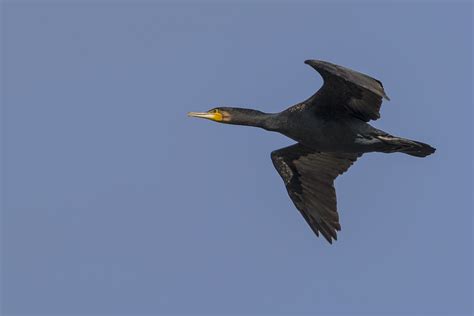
x=331, y=132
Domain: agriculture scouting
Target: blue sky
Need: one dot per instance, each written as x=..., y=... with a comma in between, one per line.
x=114, y=202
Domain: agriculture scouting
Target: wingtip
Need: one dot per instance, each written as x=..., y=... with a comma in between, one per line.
x=310, y=61
x=330, y=240
x=329, y=237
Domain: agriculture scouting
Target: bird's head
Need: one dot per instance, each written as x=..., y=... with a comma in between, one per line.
x=236, y=116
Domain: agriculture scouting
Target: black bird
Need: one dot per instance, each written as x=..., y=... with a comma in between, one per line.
x=331, y=131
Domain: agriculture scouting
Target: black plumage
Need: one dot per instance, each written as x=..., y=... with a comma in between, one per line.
x=331, y=131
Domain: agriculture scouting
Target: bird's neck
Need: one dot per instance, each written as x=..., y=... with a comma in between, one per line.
x=249, y=117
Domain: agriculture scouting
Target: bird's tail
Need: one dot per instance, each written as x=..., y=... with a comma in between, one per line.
x=406, y=146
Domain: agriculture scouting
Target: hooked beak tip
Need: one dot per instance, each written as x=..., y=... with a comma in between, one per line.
x=196, y=114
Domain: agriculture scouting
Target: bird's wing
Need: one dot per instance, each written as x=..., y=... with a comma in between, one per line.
x=346, y=92
x=309, y=179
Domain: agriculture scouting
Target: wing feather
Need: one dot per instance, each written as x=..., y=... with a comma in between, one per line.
x=346, y=92
x=309, y=179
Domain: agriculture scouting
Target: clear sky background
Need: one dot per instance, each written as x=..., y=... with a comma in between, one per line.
x=114, y=202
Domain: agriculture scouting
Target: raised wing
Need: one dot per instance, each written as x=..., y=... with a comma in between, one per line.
x=309, y=179
x=346, y=92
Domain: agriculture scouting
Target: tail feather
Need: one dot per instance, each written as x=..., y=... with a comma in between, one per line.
x=407, y=146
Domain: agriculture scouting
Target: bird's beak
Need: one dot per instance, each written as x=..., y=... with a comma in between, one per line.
x=213, y=116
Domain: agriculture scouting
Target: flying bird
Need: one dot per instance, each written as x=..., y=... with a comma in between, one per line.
x=331, y=132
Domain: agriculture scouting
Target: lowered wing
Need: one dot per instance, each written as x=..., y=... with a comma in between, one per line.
x=309, y=179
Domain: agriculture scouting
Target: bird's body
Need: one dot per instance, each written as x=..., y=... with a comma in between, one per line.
x=331, y=132
x=327, y=134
